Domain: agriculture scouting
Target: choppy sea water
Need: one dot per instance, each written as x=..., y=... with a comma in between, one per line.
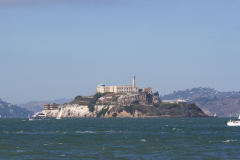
x=119, y=138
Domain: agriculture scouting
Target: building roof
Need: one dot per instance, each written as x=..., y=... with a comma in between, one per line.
x=101, y=85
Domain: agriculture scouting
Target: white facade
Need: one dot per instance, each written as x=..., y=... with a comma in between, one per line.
x=119, y=88
x=178, y=101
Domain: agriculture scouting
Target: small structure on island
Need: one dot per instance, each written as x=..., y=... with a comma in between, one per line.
x=178, y=101
x=52, y=106
x=147, y=90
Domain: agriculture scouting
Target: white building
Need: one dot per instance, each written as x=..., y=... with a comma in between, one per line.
x=178, y=101
x=119, y=88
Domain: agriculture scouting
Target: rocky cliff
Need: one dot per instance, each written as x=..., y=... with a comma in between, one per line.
x=75, y=110
x=124, y=105
x=81, y=111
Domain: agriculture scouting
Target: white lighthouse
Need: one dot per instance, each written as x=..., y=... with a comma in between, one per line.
x=133, y=84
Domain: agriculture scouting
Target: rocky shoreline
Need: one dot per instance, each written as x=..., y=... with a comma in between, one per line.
x=82, y=111
x=131, y=105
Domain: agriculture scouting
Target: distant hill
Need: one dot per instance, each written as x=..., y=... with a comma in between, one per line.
x=210, y=100
x=38, y=106
x=226, y=107
x=195, y=93
x=8, y=110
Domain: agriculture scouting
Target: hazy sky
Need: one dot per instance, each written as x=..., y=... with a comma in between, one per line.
x=51, y=49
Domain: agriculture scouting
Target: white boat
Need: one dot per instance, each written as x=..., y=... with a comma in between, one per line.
x=215, y=115
x=236, y=122
x=37, y=116
x=59, y=114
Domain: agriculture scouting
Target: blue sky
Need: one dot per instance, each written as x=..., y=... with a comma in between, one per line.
x=61, y=49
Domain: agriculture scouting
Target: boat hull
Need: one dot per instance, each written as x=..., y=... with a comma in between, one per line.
x=235, y=123
x=38, y=116
x=34, y=119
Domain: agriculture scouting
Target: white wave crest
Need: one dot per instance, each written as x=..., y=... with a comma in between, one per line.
x=143, y=140
x=20, y=131
x=85, y=132
x=228, y=141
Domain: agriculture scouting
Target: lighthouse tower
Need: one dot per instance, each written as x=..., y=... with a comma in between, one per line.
x=133, y=84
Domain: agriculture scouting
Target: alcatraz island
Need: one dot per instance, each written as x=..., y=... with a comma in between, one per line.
x=123, y=101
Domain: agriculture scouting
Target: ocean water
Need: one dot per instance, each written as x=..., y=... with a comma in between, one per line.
x=119, y=138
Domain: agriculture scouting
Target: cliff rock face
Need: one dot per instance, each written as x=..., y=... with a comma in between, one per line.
x=76, y=111
x=132, y=111
x=80, y=111
x=143, y=99
x=124, y=105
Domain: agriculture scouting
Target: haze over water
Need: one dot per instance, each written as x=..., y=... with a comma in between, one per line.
x=119, y=138
x=52, y=49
